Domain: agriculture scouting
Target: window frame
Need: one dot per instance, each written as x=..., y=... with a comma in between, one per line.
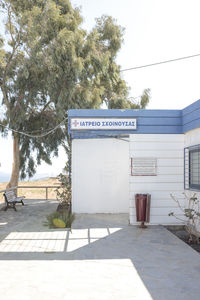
x=187, y=168
x=191, y=185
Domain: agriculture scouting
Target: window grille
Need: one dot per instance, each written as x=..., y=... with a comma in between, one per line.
x=192, y=167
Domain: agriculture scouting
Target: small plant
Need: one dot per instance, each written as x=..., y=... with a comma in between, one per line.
x=58, y=219
x=191, y=213
x=63, y=193
x=62, y=217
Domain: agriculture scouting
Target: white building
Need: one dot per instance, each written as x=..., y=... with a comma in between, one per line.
x=119, y=153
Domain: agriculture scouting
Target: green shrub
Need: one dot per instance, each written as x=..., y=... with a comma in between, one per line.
x=64, y=192
x=58, y=219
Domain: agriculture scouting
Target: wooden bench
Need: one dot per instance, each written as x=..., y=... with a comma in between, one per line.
x=11, y=200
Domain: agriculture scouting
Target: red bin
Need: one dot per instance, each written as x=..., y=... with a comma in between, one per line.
x=142, y=203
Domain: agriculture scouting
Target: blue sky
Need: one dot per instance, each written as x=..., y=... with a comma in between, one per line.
x=155, y=30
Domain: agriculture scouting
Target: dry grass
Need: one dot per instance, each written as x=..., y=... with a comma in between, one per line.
x=34, y=193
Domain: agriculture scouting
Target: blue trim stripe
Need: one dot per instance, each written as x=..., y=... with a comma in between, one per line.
x=192, y=107
x=148, y=121
x=122, y=113
x=191, y=117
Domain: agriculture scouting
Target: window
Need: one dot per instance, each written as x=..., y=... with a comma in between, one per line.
x=143, y=166
x=192, y=168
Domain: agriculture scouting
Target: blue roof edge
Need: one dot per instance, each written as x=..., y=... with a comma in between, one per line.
x=156, y=121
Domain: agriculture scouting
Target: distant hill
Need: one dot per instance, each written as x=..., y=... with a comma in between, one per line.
x=4, y=177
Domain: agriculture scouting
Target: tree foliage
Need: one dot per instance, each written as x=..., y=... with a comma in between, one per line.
x=49, y=64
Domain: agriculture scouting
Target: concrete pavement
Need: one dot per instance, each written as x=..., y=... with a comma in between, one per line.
x=101, y=258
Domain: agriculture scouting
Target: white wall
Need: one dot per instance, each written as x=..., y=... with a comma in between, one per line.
x=192, y=137
x=168, y=149
x=100, y=180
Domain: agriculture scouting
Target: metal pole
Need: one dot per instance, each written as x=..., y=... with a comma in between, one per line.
x=46, y=193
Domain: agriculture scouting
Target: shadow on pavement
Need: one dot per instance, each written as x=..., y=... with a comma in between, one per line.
x=168, y=268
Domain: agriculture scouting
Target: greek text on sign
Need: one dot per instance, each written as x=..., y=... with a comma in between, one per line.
x=103, y=123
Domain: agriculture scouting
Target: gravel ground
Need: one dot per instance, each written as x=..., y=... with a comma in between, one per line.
x=182, y=234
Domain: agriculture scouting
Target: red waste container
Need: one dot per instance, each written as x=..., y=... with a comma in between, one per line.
x=142, y=204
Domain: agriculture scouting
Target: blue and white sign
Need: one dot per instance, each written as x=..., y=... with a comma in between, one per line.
x=103, y=124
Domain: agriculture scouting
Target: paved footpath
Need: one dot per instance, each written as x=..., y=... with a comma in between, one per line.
x=101, y=258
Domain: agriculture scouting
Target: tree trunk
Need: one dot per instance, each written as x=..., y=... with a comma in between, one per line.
x=15, y=166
